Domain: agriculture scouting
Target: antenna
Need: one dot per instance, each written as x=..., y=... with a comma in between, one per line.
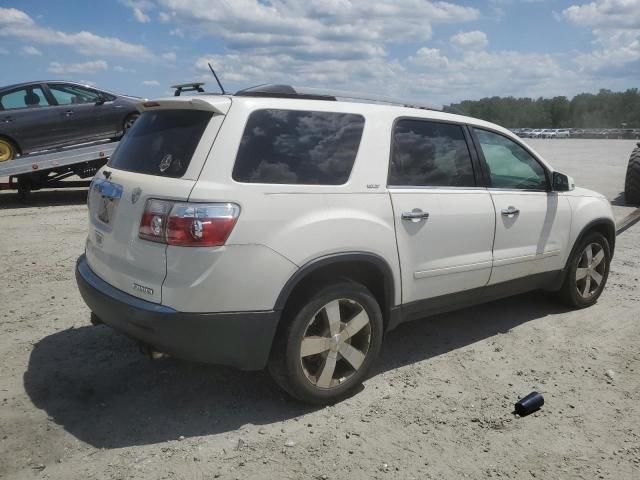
x=217, y=79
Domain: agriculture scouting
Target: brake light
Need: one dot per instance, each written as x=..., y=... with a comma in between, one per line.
x=188, y=224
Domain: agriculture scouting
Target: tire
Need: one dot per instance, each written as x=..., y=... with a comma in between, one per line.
x=129, y=121
x=311, y=378
x=632, y=179
x=581, y=292
x=8, y=150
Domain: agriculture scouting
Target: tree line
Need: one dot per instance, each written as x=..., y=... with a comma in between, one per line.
x=606, y=109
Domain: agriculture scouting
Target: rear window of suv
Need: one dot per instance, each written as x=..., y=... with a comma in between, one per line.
x=161, y=142
x=298, y=147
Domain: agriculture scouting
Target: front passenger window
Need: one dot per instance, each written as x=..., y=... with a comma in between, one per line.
x=71, y=94
x=510, y=165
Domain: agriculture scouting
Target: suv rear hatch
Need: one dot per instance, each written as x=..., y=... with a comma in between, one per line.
x=160, y=157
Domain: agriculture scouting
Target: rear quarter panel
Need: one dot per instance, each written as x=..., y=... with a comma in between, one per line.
x=305, y=222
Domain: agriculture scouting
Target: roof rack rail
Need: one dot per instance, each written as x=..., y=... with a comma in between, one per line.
x=287, y=91
x=280, y=91
x=188, y=87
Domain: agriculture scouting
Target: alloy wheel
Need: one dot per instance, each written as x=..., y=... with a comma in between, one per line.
x=590, y=271
x=6, y=151
x=335, y=343
x=130, y=121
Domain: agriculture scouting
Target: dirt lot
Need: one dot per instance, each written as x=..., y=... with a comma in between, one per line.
x=79, y=402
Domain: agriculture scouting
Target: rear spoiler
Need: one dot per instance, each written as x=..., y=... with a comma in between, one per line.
x=219, y=105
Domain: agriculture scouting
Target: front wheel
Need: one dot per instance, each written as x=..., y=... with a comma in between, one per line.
x=329, y=343
x=587, y=272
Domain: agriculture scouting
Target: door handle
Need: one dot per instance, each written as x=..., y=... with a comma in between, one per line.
x=68, y=113
x=7, y=120
x=510, y=211
x=415, y=215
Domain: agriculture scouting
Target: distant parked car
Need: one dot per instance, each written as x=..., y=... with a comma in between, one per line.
x=562, y=133
x=41, y=115
x=576, y=133
x=536, y=133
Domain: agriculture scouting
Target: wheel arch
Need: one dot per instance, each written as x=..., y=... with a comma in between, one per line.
x=605, y=226
x=4, y=136
x=367, y=268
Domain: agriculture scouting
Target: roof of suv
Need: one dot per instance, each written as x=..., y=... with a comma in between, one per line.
x=288, y=94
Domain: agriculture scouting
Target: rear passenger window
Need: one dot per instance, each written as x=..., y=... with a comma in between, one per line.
x=27, y=97
x=298, y=147
x=430, y=154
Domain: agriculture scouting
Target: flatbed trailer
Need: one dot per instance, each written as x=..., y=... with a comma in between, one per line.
x=49, y=169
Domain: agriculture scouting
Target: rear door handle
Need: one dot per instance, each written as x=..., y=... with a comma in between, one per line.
x=68, y=113
x=510, y=211
x=7, y=120
x=415, y=215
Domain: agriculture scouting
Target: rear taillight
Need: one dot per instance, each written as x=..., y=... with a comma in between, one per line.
x=188, y=224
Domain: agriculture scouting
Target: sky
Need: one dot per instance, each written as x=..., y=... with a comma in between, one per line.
x=437, y=52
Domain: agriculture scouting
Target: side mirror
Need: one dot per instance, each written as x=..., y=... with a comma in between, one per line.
x=562, y=182
x=100, y=100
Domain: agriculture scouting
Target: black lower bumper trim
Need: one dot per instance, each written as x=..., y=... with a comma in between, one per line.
x=239, y=339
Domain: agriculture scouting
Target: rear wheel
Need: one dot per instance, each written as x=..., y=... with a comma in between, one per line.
x=129, y=121
x=587, y=272
x=8, y=151
x=632, y=179
x=329, y=343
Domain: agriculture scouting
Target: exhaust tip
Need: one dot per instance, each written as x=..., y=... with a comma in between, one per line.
x=150, y=352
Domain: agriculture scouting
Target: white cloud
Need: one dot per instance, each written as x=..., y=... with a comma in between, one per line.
x=429, y=57
x=616, y=31
x=169, y=56
x=475, y=40
x=140, y=16
x=316, y=29
x=164, y=17
x=121, y=69
x=85, y=68
x=151, y=83
x=16, y=23
x=139, y=8
x=29, y=50
x=603, y=13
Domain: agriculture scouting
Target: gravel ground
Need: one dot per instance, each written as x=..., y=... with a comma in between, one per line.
x=79, y=402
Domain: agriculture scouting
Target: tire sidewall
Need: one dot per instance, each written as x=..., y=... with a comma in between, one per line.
x=570, y=285
x=300, y=385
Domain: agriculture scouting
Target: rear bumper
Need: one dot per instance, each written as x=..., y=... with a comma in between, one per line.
x=238, y=339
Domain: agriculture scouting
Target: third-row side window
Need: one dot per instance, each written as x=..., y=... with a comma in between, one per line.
x=298, y=147
x=430, y=154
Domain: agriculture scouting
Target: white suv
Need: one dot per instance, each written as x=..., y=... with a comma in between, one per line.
x=273, y=227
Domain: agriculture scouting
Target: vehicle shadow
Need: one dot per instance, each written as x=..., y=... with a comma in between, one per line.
x=43, y=198
x=94, y=383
